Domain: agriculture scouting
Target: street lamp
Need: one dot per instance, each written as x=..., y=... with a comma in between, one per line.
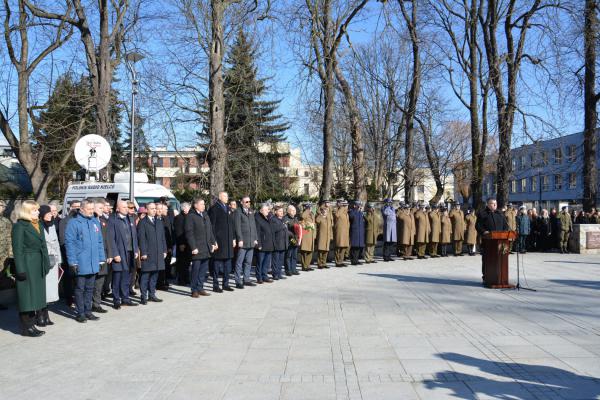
x=131, y=58
x=154, y=163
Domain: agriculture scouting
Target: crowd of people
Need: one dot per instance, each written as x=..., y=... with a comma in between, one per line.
x=100, y=251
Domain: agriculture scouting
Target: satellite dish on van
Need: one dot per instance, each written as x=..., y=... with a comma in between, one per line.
x=92, y=152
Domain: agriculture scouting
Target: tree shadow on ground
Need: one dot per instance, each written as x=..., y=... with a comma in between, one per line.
x=578, y=283
x=525, y=381
x=424, y=279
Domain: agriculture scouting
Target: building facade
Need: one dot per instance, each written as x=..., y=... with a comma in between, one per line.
x=546, y=173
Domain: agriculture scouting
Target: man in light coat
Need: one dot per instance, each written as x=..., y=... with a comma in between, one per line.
x=390, y=236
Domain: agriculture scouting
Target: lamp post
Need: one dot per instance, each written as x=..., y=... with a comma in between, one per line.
x=154, y=164
x=131, y=59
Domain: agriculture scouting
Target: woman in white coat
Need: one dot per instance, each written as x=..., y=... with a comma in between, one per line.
x=48, y=222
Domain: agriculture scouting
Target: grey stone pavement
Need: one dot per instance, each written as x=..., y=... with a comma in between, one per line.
x=400, y=330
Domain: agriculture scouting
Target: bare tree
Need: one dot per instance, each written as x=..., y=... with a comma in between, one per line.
x=25, y=63
x=591, y=97
x=504, y=60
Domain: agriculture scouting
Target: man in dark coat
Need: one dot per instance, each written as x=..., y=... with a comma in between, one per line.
x=266, y=244
x=202, y=243
x=281, y=238
x=124, y=249
x=295, y=233
x=245, y=235
x=222, y=220
x=153, y=250
x=184, y=257
x=163, y=213
x=490, y=220
x=357, y=232
x=99, y=207
x=68, y=279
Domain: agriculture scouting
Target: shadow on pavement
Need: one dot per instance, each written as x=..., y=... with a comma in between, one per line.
x=572, y=262
x=531, y=381
x=578, y=283
x=423, y=279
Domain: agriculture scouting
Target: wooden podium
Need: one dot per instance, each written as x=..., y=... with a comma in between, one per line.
x=496, y=248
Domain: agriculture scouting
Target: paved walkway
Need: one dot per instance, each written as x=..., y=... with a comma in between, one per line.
x=400, y=330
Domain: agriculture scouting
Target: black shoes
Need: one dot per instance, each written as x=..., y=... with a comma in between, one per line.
x=130, y=304
x=99, y=310
x=295, y=273
x=32, y=332
x=239, y=286
x=228, y=289
x=81, y=318
x=143, y=301
x=92, y=317
x=155, y=299
x=217, y=290
x=249, y=283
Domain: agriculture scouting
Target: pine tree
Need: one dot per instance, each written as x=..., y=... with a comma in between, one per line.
x=253, y=128
x=141, y=145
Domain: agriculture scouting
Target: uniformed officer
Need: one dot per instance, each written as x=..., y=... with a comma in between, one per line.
x=566, y=227
x=342, y=233
x=436, y=231
x=511, y=219
x=389, y=229
x=307, y=244
x=471, y=231
x=422, y=230
x=407, y=231
x=457, y=217
x=324, y=230
x=373, y=224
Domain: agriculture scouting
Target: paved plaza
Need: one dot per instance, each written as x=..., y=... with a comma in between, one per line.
x=422, y=329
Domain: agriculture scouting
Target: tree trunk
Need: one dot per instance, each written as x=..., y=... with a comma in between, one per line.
x=413, y=96
x=358, y=151
x=590, y=171
x=217, y=156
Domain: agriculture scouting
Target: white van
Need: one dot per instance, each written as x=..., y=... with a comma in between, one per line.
x=119, y=190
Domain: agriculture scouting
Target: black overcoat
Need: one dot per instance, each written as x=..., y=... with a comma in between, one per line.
x=151, y=238
x=199, y=234
x=223, y=223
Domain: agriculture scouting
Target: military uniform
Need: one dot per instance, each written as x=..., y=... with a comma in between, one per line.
x=324, y=236
x=446, y=233
x=471, y=232
x=422, y=232
x=5, y=244
x=307, y=246
x=566, y=227
x=373, y=223
x=436, y=231
x=407, y=232
x=457, y=217
x=511, y=218
x=342, y=234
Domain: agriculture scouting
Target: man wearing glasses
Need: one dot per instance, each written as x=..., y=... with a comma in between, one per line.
x=245, y=235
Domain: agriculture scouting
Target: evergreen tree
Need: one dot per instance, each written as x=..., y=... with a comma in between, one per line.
x=141, y=145
x=253, y=128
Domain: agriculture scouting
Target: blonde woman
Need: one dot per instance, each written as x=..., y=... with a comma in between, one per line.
x=31, y=264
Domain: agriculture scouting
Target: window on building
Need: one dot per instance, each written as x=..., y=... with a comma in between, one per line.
x=523, y=185
x=173, y=162
x=514, y=164
x=572, y=153
x=534, y=183
x=557, y=155
x=557, y=181
x=572, y=180
x=513, y=186
x=545, y=183
x=306, y=189
x=523, y=162
x=544, y=158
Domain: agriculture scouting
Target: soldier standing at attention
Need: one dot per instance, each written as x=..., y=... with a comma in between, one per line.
x=342, y=233
x=324, y=234
x=511, y=218
x=422, y=228
x=457, y=217
x=307, y=244
x=372, y=231
x=446, y=234
x=566, y=227
x=389, y=229
x=436, y=231
x=471, y=231
x=407, y=231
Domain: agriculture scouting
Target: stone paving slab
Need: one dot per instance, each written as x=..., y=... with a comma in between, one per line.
x=421, y=329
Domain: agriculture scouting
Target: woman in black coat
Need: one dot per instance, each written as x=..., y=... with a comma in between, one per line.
x=280, y=242
x=202, y=243
x=266, y=244
x=153, y=250
x=544, y=229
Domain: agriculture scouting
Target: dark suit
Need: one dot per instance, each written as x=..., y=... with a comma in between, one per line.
x=101, y=275
x=153, y=246
x=122, y=236
x=199, y=236
x=489, y=221
x=280, y=245
x=222, y=220
x=184, y=257
x=266, y=246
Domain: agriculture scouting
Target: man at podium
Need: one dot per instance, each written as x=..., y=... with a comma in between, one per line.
x=489, y=220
